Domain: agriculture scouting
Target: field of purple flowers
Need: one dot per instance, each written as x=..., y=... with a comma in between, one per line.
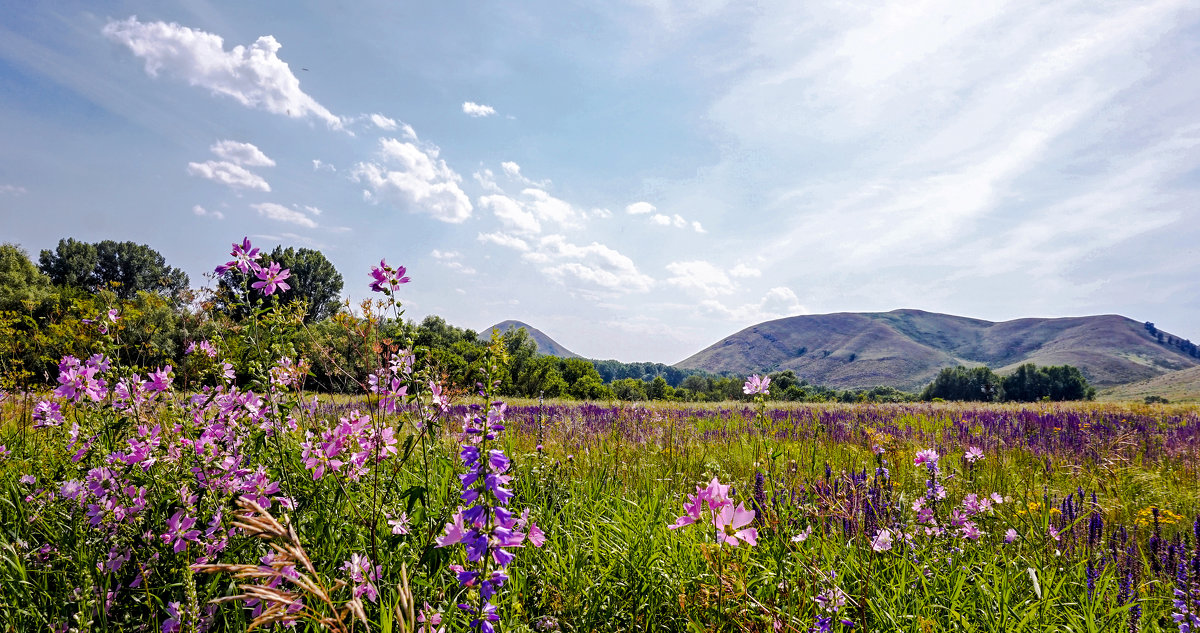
x=131, y=503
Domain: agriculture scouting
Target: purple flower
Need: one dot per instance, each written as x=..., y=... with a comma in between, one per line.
x=387, y=279
x=731, y=525
x=179, y=531
x=271, y=279
x=244, y=256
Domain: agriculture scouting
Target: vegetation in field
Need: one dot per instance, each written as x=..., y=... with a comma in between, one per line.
x=216, y=494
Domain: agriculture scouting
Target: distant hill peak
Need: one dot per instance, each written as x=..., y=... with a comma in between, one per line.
x=545, y=344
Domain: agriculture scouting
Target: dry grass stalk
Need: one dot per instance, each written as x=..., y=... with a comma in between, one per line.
x=281, y=605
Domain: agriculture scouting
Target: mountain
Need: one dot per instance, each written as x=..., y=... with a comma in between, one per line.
x=907, y=348
x=1176, y=386
x=545, y=344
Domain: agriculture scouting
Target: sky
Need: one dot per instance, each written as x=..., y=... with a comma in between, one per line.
x=636, y=178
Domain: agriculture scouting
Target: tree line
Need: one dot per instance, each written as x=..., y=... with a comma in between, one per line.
x=56, y=306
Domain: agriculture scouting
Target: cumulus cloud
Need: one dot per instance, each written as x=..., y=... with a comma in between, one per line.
x=205, y=213
x=245, y=154
x=505, y=240
x=416, y=179
x=473, y=109
x=595, y=263
x=252, y=75
x=511, y=213
x=280, y=213
x=700, y=276
x=661, y=219
x=640, y=208
x=547, y=208
x=230, y=174
x=778, y=302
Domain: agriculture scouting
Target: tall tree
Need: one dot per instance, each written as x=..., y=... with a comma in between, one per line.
x=126, y=268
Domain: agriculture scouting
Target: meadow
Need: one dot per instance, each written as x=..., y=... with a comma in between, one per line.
x=134, y=502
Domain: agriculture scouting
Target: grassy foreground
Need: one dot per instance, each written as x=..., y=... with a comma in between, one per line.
x=124, y=515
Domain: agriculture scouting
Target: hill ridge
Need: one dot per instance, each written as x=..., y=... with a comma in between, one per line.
x=906, y=347
x=545, y=344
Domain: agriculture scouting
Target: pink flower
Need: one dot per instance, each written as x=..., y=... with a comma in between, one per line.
x=386, y=278
x=244, y=256
x=882, y=541
x=179, y=531
x=973, y=455
x=455, y=532
x=731, y=525
x=756, y=384
x=927, y=456
x=970, y=530
x=271, y=279
x=1010, y=535
x=399, y=524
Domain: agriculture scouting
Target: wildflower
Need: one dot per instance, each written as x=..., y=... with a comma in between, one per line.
x=882, y=541
x=47, y=413
x=172, y=625
x=386, y=278
x=729, y=520
x=756, y=384
x=1010, y=535
x=803, y=536
x=271, y=278
x=244, y=258
x=179, y=531
x=928, y=456
x=28, y=479
x=362, y=574
x=429, y=619
x=399, y=524
x=973, y=455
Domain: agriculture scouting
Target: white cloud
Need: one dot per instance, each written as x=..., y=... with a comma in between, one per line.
x=700, y=276
x=319, y=165
x=505, y=240
x=252, y=75
x=513, y=171
x=742, y=271
x=205, y=213
x=312, y=210
x=639, y=208
x=439, y=254
x=698, y=228
x=487, y=180
x=384, y=123
x=676, y=220
x=476, y=110
x=601, y=213
x=595, y=263
x=281, y=213
x=511, y=213
x=548, y=208
x=13, y=190
x=460, y=267
x=245, y=154
x=420, y=181
x=230, y=174
x=777, y=303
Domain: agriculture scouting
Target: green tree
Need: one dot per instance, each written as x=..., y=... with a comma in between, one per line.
x=126, y=268
x=312, y=279
x=22, y=285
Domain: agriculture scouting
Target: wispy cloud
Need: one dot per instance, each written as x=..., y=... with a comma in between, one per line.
x=245, y=154
x=205, y=213
x=230, y=174
x=700, y=276
x=280, y=213
x=594, y=263
x=253, y=75
x=12, y=190
x=776, y=303
x=473, y=109
x=505, y=240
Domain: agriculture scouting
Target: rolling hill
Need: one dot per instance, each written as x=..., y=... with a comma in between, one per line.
x=907, y=348
x=546, y=345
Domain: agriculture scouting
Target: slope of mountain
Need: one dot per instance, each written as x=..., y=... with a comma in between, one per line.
x=907, y=348
x=545, y=344
x=1176, y=386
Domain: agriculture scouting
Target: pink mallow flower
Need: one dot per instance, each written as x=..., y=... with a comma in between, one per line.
x=927, y=456
x=882, y=541
x=756, y=384
x=731, y=525
x=271, y=278
x=973, y=455
x=179, y=531
x=386, y=279
x=244, y=256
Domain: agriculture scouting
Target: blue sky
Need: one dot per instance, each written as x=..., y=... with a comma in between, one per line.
x=637, y=179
